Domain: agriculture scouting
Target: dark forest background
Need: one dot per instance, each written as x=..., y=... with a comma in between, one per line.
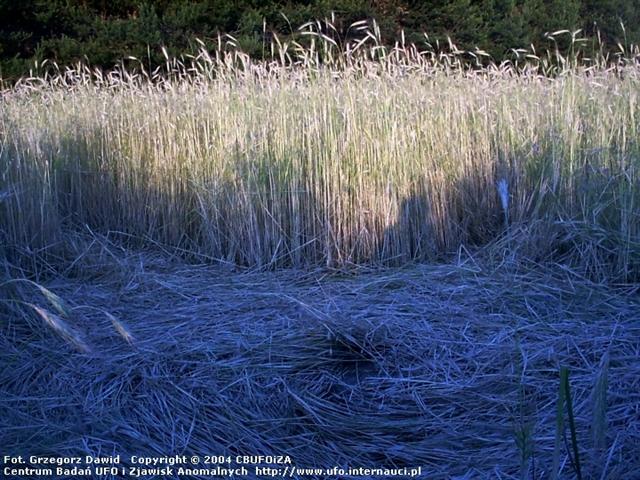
x=103, y=32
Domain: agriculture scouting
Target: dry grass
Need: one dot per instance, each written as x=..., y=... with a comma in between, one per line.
x=453, y=368
x=347, y=158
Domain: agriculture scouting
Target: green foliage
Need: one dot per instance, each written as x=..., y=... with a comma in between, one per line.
x=460, y=20
x=103, y=32
x=607, y=15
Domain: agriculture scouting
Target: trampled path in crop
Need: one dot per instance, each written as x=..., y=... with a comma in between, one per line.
x=451, y=368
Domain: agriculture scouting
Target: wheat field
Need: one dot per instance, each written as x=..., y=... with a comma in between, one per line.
x=370, y=161
x=369, y=256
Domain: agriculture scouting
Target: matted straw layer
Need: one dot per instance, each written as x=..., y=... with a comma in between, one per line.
x=442, y=367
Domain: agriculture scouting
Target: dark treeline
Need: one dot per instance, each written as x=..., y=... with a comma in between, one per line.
x=102, y=32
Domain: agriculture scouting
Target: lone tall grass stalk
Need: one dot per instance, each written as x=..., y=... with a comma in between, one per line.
x=564, y=400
